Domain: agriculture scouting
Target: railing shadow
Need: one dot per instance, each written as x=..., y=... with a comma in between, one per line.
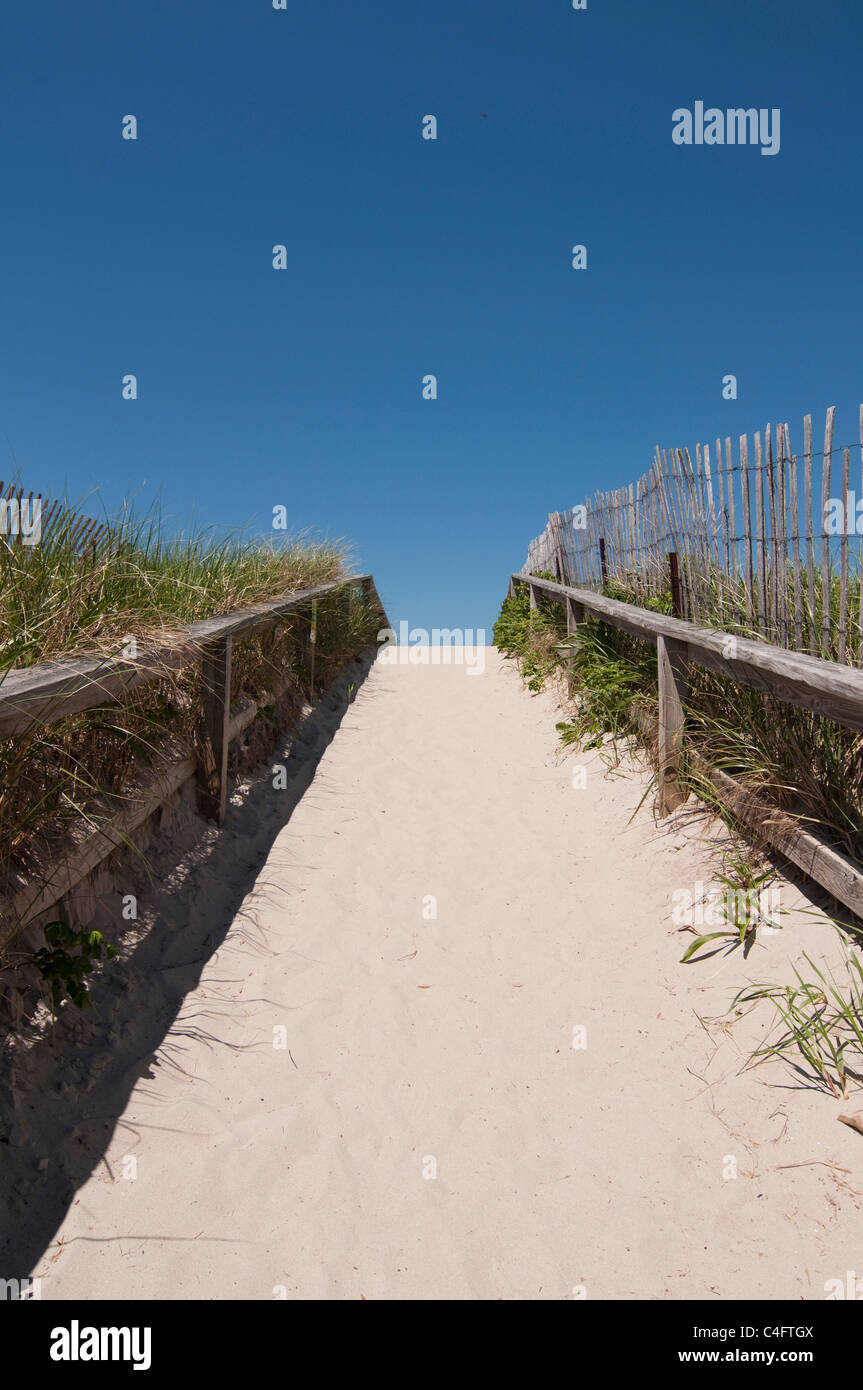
x=63, y=1091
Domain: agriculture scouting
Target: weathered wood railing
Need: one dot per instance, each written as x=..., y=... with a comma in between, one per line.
x=42, y=695
x=828, y=688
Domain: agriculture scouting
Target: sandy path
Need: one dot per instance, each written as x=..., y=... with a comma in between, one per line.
x=421, y=1044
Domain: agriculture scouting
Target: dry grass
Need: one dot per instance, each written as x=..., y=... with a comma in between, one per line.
x=55, y=603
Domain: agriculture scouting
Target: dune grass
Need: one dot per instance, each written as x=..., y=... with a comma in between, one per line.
x=809, y=766
x=819, y=1022
x=58, y=601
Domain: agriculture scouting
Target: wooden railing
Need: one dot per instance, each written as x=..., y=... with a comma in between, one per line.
x=827, y=688
x=42, y=695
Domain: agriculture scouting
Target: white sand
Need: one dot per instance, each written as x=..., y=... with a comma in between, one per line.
x=416, y=1042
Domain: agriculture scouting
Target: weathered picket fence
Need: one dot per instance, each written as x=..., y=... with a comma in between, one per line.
x=764, y=543
x=56, y=520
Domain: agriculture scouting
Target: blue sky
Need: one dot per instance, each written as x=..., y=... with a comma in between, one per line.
x=406, y=257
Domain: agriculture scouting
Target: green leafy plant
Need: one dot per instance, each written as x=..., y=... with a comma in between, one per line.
x=609, y=670
x=67, y=960
x=531, y=634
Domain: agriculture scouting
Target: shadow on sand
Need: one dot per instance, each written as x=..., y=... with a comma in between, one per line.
x=62, y=1091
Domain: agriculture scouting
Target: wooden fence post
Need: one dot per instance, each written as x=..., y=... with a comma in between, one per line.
x=313, y=639
x=671, y=657
x=213, y=770
x=602, y=565
x=534, y=601
x=574, y=615
x=674, y=582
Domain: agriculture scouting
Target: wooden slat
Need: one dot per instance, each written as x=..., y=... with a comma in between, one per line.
x=213, y=768
x=672, y=667
x=727, y=611
x=843, y=551
x=577, y=538
x=610, y=533
x=50, y=515
x=771, y=561
x=647, y=530
x=711, y=505
x=760, y=545
x=732, y=520
x=639, y=534
x=721, y=513
x=651, y=544
x=796, y=567
x=694, y=561
x=616, y=538
x=662, y=521
x=826, y=639
x=810, y=530
x=698, y=538
x=748, y=563
x=588, y=546
x=782, y=613
x=648, y=498
x=685, y=549
x=666, y=530
x=77, y=526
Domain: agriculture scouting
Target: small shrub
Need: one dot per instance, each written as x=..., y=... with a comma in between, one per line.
x=530, y=635
x=67, y=960
x=609, y=670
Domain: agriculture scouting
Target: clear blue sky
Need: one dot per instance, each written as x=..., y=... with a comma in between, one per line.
x=406, y=256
